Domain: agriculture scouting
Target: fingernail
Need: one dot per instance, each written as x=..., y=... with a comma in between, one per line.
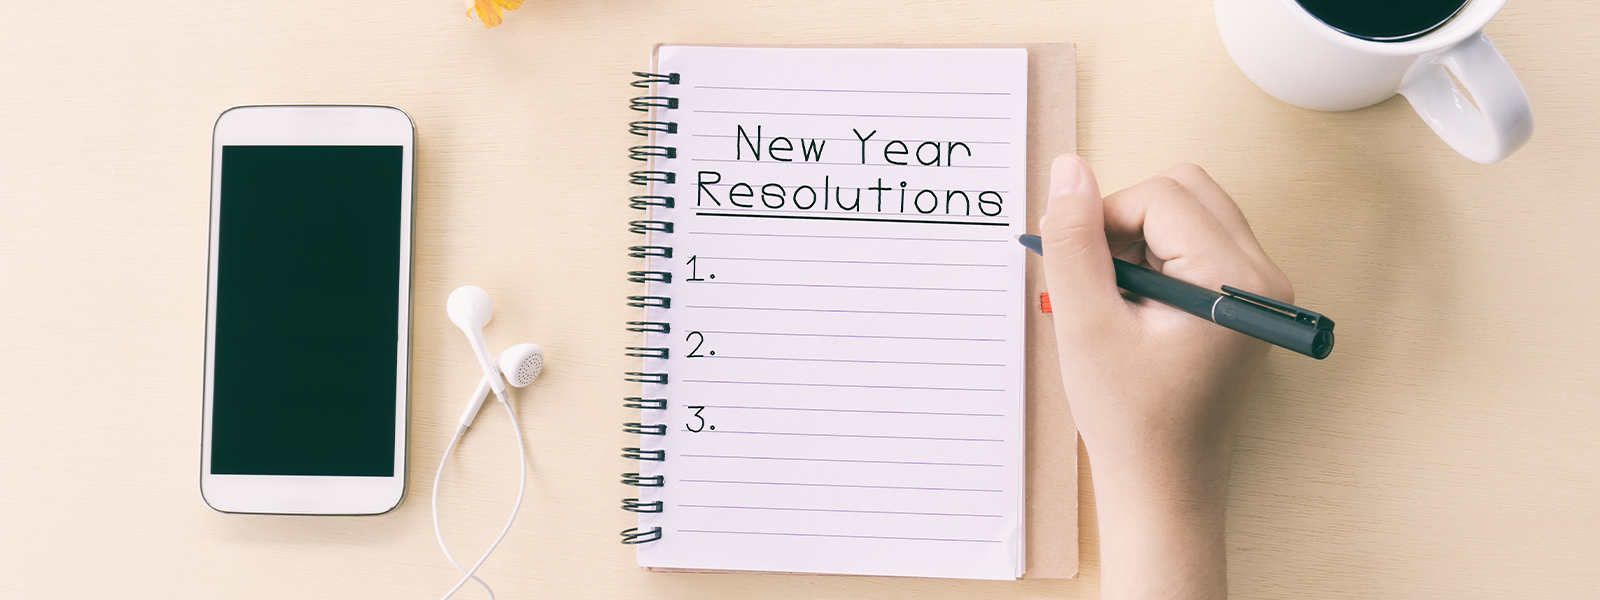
x=1065, y=174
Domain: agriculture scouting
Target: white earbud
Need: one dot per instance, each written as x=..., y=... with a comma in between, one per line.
x=470, y=309
x=520, y=364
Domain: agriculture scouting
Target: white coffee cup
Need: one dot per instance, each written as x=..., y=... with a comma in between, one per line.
x=1297, y=58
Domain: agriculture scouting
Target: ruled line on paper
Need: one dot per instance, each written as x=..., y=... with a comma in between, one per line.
x=846, y=311
x=841, y=485
x=820, y=90
x=867, y=219
x=848, y=262
x=859, y=435
x=846, y=237
x=801, y=114
x=855, y=410
x=851, y=335
x=844, y=385
x=835, y=535
x=851, y=164
x=842, y=460
x=848, y=287
x=854, y=361
x=845, y=139
x=808, y=211
x=731, y=184
x=837, y=510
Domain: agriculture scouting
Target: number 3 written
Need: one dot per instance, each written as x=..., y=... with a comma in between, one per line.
x=701, y=426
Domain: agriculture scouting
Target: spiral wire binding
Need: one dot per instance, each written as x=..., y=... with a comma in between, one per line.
x=649, y=302
x=645, y=251
x=645, y=127
x=649, y=327
x=646, y=177
x=645, y=429
x=644, y=276
x=643, y=227
x=645, y=202
x=649, y=352
x=645, y=403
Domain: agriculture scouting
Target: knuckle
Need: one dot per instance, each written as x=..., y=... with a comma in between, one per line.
x=1168, y=195
x=1257, y=281
x=1281, y=285
x=1190, y=169
x=1162, y=183
x=1155, y=190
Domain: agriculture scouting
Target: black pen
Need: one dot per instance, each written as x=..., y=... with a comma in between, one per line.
x=1257, y=316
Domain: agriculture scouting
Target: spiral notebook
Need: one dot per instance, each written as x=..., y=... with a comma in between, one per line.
x=845, y=365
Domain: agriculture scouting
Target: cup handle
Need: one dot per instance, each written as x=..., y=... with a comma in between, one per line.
x=1502, y=120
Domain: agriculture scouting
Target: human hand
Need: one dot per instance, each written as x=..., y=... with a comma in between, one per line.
x=1157, y=393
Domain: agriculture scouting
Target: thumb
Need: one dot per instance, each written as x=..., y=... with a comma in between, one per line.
x=1077, y=259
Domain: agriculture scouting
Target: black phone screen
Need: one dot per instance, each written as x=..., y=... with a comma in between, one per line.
x=307, y=308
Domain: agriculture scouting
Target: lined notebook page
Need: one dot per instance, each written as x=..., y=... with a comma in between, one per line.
x=845, y=369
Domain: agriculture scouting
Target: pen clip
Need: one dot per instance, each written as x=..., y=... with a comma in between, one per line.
x=1300, y=315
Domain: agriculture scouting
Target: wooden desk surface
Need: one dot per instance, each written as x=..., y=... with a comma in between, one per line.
x=1447, y=450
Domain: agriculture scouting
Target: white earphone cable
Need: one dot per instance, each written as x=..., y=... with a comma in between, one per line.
x=439, y=534
x=522, y=485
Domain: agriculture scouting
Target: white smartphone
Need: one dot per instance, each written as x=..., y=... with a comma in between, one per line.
x=308, y=310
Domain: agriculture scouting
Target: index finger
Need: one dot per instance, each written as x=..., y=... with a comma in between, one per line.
x=1177, y=229
x=1220, y=205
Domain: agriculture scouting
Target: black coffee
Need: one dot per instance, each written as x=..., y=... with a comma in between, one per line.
x=1384, y=20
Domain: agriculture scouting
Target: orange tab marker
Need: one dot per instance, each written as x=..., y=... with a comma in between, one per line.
x=1044, y=302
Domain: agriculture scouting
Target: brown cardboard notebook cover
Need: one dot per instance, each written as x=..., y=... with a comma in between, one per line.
x=1052, y=437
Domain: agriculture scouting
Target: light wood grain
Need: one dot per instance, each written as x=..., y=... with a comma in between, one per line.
x=1446, y=450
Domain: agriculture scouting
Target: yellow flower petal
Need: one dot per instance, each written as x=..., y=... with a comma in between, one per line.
x=509, y=4
x=488, y=12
